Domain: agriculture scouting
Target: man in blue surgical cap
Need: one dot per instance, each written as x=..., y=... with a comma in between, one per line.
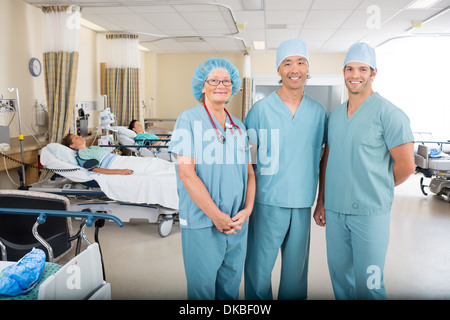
x=288, y=129
x=369, y=151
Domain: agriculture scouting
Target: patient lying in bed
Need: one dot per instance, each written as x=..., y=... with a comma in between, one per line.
x=141, y=135
x=90, y=158
x=97, y=159
x=124, y=178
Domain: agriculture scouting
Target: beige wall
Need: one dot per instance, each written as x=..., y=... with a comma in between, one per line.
x=173, y=90
x=21, y=39
x=166, y=78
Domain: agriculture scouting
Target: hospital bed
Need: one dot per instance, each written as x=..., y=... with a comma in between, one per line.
x=105, y=193
x=434, y=164
x=80, y=278
x=126, y=139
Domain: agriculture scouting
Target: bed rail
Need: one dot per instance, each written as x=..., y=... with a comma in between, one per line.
x=42, y=214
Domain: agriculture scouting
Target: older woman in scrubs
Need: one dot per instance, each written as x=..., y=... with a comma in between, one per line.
x=369, y=151
x=216, y=184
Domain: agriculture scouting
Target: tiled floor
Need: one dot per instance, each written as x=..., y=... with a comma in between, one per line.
x=140, y=264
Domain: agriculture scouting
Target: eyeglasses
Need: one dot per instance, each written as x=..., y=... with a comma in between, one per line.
x=216, y=82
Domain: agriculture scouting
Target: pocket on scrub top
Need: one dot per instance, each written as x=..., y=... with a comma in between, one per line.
x=370, y=136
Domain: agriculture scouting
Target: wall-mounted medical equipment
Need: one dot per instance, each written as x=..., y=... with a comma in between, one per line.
x=82, y=123
x=7, y=111
x=17, y=108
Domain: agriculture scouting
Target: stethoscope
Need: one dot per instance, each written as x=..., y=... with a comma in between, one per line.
x=220, y=136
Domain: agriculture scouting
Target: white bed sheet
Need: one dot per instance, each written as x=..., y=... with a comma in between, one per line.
x=153, y=180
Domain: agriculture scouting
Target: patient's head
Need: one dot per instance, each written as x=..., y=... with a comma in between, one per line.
x=136, y=126
x=73, y=141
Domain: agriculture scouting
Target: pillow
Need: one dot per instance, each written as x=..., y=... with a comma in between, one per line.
x=49, y=160
x=126, y=132
x=63, y=153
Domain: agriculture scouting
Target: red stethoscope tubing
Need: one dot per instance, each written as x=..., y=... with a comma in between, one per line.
x=231, y=120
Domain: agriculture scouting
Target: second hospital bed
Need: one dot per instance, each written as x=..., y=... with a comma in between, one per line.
x=434, y=166
x=126, y=138
x=128, y=197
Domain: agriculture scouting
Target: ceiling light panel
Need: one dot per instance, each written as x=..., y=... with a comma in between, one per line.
x=252, y=5
x=423, y=4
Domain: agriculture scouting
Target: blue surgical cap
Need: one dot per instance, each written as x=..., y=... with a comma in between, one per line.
x=203, y=70
x=361, y=52
x=292, y=47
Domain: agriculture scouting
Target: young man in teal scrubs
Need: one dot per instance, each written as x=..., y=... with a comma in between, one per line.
x=288, y=128
x=369, y=151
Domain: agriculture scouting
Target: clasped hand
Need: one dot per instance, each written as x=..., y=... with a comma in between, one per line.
x=229, y=225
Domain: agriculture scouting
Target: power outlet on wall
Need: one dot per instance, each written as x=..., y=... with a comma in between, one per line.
x=86, y=105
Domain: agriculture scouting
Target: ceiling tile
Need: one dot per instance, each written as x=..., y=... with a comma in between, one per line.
x=316, y=34
x=285, y=17
x=326, y=19
x=335, y=5
x=287, y=5
x=350, y=34
x=275, y=37
x=336, y=46
x=166, y=21
x=252, y=19
x=358, y=19
x=129, y=21
x=386, y=4
x=326, y=25
x=152, y=9
x=210, y=23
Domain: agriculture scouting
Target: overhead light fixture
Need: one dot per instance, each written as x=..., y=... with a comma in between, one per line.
x=252, y=5
x=423, y=4
x=276, y=26
x=259, y=45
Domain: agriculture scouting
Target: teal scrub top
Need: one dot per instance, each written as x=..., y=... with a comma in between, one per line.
x=289, y=149
x=359, y=175
x=222, y=167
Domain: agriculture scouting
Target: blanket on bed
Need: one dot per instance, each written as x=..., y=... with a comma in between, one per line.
x=153, y=181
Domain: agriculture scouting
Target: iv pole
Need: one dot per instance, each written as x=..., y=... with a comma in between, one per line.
x=23, y=181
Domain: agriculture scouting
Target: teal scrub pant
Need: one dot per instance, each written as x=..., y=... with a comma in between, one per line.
x=356, y=252
x=272, y=228
x=213, y=262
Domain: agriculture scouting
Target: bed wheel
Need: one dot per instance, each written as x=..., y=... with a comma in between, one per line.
x=165, y=227
x=422, y=186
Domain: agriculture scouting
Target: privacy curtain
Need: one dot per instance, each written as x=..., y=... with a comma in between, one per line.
x=61, y=27
x=247, y=87
x=123, y=77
